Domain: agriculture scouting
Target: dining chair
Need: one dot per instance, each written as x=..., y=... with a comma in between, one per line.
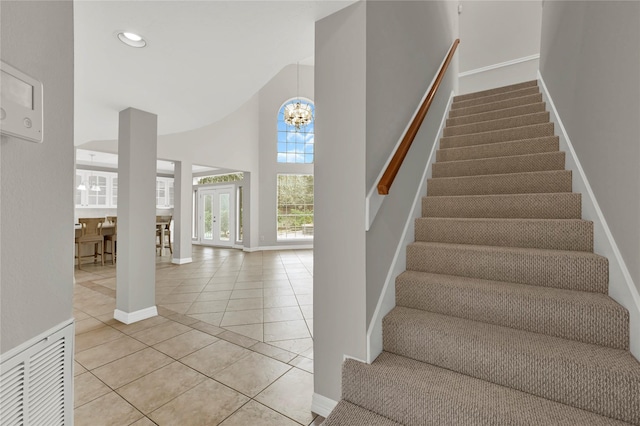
x=112, y=238
x=91, y=235
x=166, y=222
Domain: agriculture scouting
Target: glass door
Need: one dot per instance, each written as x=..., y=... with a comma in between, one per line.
x=217, y=216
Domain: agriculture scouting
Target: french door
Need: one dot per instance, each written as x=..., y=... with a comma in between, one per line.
x=217, y=216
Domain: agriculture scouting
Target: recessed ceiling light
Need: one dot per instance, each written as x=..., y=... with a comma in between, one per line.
x=131, y=39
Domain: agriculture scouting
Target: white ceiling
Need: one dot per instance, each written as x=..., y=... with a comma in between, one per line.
x=203, y=59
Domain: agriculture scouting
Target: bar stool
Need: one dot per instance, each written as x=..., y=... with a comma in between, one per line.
x=113, y=238
x=91, y=235
x=166, y=222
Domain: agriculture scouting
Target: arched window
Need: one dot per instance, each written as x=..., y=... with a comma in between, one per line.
x=295, y=143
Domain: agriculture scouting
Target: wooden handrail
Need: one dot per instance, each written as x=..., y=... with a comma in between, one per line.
x=394, y=165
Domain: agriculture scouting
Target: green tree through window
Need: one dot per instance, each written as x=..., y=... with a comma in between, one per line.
x=295, y=206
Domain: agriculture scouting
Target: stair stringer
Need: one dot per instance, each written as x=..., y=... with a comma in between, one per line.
x=621, y=286
x=387, y=300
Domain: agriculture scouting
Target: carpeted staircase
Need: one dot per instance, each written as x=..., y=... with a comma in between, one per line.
x=502, y=316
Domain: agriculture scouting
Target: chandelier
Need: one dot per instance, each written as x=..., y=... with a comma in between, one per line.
x=297, y=113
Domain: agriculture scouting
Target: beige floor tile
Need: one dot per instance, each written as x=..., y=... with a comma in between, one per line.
x=254, y=413
x=213, y=318
x=278, y=291
x=177, y=298
x=140, y=325
x=188, y=289
x=273, y=352
x=195, y=281
x=108, y=410
x=291, y=395
x=252, y=374
x=308, y=353
x=120, y=372
x=206, y=404
x=208, y=328
x=294, y=345
x=303, y=363
x=225, y=286
x=284, y=283
x=184, y=344
x=208, y=296
x=249, y=282
x=78, y=369
x=285, y=330
x=310, y=326
x=96, y=337
x=253, y=331
x=160, y=332
x=246, y=294
x=89, y=324
x=305, y=299
x=253, y=316
x=317, y=421
x=143, y=422
x=87, y=388
x=78, y=315
x=182, y=319
x=289, y=313
x=208, y=307
x=244, y=304
x=307, y=311
x=108, y=352
x=156, y=389
x=176, y=308
x=280, y=301
x=215, y=357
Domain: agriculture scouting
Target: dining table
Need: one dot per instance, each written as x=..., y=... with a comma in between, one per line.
x=109, y=229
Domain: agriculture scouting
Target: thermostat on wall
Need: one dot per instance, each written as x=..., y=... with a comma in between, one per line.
x=20, y=104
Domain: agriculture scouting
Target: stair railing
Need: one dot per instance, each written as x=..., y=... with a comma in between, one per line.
x=410, y=133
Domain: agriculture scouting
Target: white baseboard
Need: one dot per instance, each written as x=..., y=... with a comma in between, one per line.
x=621, y=286
x=387, y=299
x=131, y=317
x=322, y=405
x=500, y=65
x=283, y=247
x=182, y=261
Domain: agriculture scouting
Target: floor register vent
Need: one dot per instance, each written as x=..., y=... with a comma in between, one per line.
x=36, y=380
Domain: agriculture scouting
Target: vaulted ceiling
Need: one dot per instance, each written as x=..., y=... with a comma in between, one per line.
x=203, y=59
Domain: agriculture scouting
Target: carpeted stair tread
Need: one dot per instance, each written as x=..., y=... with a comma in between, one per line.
x=483, y=93
x=497, y=114
x=500, y=165
x=581, y=375
x=542, y=182
x=493, y=106
x=498, y=124
x=551, y=234
x=495, y=98
x=500, y=149
x=575, y=315
x=495, y=136
x=566, y=205
x=571, y=270
x=414, y=393
x=348, y=414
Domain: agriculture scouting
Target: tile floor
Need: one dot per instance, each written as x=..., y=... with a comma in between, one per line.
x=232, y=344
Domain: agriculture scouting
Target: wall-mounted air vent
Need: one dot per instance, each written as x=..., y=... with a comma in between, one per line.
x=36, y=381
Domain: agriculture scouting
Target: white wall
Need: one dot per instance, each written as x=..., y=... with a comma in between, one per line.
x=494, y=32
x=339, y=285
x=36, y=204
x=590, y=63
x=277, y=91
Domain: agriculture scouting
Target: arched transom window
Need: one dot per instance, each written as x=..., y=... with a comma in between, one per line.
x=295, y=141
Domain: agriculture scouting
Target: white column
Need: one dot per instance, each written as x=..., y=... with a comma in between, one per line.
x=136, y=267
x=182, y=212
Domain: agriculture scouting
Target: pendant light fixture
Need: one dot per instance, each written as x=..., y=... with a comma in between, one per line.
x=296, y=113
x=94, y=186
